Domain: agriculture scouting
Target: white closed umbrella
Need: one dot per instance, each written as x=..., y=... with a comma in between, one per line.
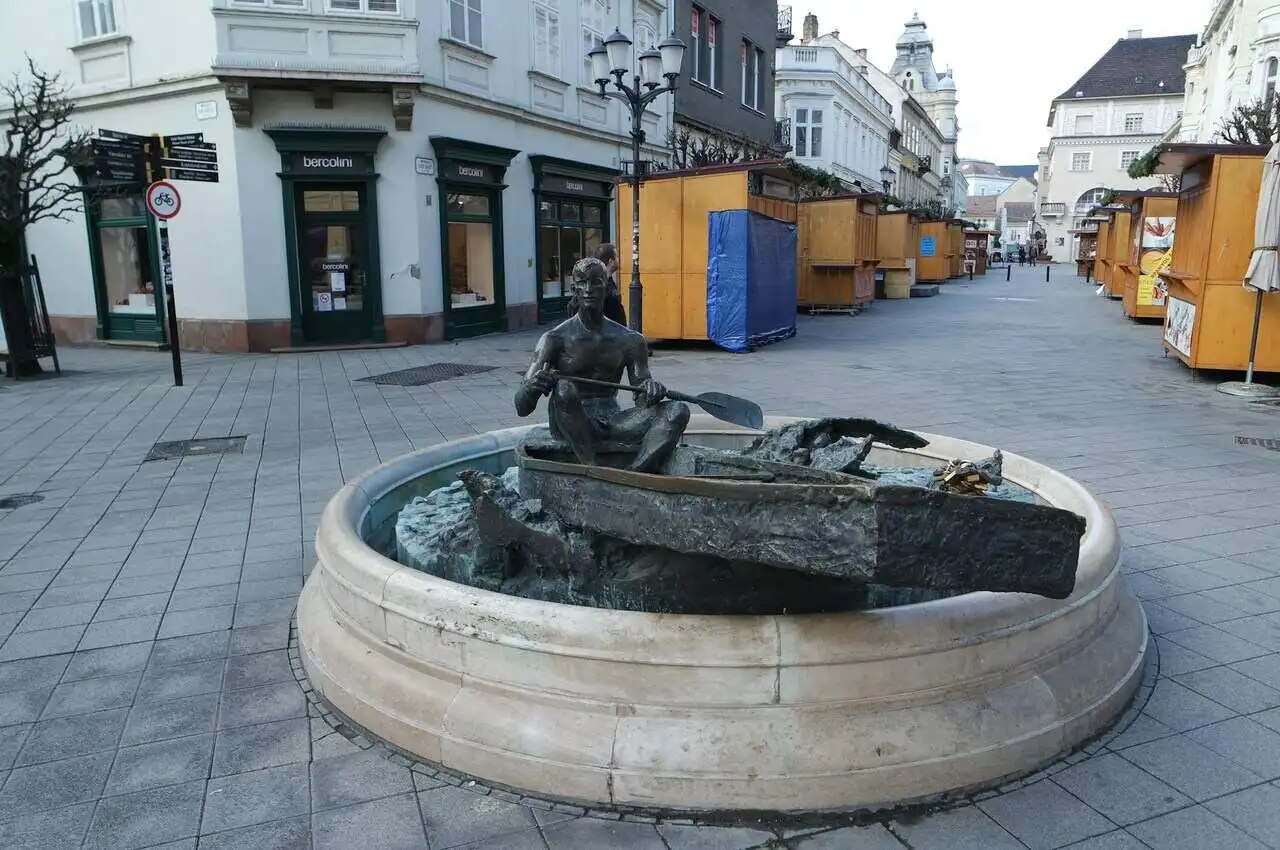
x=1263, y=275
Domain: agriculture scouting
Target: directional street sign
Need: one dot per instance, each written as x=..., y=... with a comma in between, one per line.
x=188, y=174
x=183, y=139
x=192, y=155
x=124, y=137
x=190, y=166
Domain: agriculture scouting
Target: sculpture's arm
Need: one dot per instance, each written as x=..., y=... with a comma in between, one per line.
x=537, y=382
x=639, y=376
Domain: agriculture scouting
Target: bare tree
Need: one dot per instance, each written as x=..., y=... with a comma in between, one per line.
x=38, y=155
x=1171, y=182
x=1255, y=123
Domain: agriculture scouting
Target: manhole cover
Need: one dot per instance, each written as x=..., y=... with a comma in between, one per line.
x=420, y=376
x=8, y=503
x=175, y=449
x=1261, y=442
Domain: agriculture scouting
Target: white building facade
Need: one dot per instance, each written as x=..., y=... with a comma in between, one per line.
x=1236, y=60
x=1111, y=116
x=839, y=122
x=389, y=170
x=914, y=71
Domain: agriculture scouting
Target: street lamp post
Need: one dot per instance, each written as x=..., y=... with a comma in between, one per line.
x=611, y=62
x=886, y=178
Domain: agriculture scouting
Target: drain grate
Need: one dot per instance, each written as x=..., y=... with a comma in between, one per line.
x=176, y=449
x=9, y=503
x=1267, y=443
x=420, y=376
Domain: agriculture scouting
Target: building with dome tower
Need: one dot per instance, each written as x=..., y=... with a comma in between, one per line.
x=914, y=71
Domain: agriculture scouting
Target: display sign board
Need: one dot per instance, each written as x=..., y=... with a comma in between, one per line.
x=1179, y=324
x=928, y=246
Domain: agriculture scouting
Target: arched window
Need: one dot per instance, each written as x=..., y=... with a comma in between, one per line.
x=911, y=83
x=1269, y=80
x=1090, y=199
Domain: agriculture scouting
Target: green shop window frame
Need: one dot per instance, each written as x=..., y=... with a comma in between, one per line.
x=131, y=327
x=291, y=140
x=557, y=182
x=472, y=168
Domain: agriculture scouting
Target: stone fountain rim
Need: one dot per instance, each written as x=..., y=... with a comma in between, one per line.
x=955, y=620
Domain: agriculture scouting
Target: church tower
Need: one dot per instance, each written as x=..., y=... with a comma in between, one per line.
x=914, y=71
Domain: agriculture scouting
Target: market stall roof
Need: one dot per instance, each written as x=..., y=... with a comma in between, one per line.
x=1178, y=157
x=1135, y=194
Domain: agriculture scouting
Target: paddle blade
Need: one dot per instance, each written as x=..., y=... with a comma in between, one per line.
x=730, y=408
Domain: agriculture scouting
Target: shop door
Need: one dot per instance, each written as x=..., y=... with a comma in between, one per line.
x=473, y=278
x=333, y=242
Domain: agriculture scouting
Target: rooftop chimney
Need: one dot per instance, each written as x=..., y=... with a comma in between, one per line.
x=862, y=52
x=1134, y=34
x=810, y=31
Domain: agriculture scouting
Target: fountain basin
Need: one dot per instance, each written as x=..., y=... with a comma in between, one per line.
x=714, y=713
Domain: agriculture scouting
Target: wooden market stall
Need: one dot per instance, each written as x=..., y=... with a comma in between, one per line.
x=675, y=207
x=1149, y=250
x=976, y=250
x=933, y=252
x=838, y=252
x=1208, y=311
x=897, y=241
x=1118, y=250
x=955, y=248
x=1086, y=248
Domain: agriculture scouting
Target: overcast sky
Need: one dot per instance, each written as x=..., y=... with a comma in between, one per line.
x=1010, y=60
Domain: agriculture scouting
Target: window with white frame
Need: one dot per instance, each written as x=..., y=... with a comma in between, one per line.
x=1269, y=79
x=1083, y=125
x=754, y=69
x=466, y=21
x=368, y=7
x=705, y=29
x=97, y=18
x=272, y=4
x=808, y=132
x=1128, y=158
x=592, y=14
x=546, y=36
x=1133, y=122
x=1082, y=161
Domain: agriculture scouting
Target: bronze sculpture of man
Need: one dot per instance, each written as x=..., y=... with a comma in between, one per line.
x=588, y=345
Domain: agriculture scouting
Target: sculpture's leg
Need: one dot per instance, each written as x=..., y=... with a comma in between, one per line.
x=657, y=429
x=569, y=422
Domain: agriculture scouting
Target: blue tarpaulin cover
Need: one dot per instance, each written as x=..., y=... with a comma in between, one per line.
x=751, y=279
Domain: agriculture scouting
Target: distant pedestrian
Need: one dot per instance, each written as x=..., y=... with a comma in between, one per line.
x=607, y=253
x=1022, y=255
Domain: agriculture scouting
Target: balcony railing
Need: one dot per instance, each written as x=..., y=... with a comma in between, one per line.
x=1053, y=209
x=785, y=33
x=926, y=163
x=782, y=134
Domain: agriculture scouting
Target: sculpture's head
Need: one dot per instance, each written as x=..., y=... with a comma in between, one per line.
x=590, y=282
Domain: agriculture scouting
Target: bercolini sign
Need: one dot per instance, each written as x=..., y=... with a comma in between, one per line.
x=331, y=163
x=309, y=161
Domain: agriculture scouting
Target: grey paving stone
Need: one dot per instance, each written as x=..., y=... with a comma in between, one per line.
x=1118, y=840
x=530, y=839
x=1180, y=708
x=264, y=668
x=12, y=737
x=1213, y=642
x=189, y=648
x=861, y=837
x=41, y=643
x=89, y=695
x=140, y=586
x=1119, y=790
x=273, y=588
x=90, y=592
x=1043, y=816
x=1194, y=770
x=249, y=614
x=457, y=816
x=131, y=606
x=1245, y=742
x=245, y=799
x=393, y=823
x=31, y=673
x=166, y=683
x=1193, y=829
x=1254, y=810
x=172, y=719
x=289, y=834
x=52, y=740
x=118, y=632
x=57, y=617
x=23, y=706
x=11, y=603
x=260, y=638
x=356, y=778
x=146, y=818
x=59, y=829
x=53, y=785
x=190, y=599
x=265, y=745
x=724, y=838
x=160, y=763
x=266, y=704
x=198, y=578
x=179, y=623
x=109, y=661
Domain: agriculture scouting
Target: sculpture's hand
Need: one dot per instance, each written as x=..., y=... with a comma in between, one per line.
x=651, y=392
x=543, y=383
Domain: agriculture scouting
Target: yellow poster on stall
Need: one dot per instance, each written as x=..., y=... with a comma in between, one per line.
x=1157, y=255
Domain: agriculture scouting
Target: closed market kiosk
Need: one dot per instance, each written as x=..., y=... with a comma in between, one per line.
x=955, y=248
x=1117, y=251
x=1153, y=216
x=838, y=252
x=1102, y=260
x=933, y=252
x=675, y=230
x=896, y=246
x=1208, y=311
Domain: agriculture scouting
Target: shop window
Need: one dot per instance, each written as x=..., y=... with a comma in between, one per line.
x=471, y=251
x=124, y=250
x=567, y=232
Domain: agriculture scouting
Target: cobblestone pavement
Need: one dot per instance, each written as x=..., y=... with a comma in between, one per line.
x=146, y=692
